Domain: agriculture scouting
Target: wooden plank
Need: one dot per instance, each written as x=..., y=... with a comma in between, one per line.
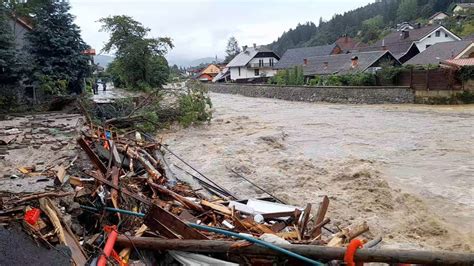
x=217, y=207
x=347, y=234
x=323, y=208
x=92, y=156
x=289, y=235
x=187, y=203
x=274, y=215
x=304, y=220
x=65, y=234
x=170, y=221
x=122, y=190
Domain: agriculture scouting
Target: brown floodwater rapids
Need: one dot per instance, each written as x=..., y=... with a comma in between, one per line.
x=406, y=169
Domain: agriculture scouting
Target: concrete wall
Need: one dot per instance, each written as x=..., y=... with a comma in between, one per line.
x=361, y=95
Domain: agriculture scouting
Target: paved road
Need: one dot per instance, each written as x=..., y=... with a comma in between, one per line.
x=110, y=94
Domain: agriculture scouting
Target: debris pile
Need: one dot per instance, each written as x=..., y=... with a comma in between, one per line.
x=118, y=199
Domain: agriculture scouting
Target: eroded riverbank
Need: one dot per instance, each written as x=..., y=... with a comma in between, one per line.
x=407, y=169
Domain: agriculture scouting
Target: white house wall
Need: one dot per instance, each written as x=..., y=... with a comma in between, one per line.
x=266, y=60
x=433, y=40
x=247, y=73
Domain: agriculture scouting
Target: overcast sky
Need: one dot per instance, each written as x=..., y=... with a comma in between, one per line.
x=200, y=28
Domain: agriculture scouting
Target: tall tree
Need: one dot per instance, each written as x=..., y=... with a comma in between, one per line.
x=8, y=63
x=55, y=46
x=139, y=61
x=232, y=49
x=407, y=10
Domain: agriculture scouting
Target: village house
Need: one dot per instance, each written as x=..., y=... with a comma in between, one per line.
x=437, y=17
x=297, y=56
x=404, y=26
x=406, y=44
x=436, y=53
x=462, y=7
x=20, y=27
x=208, y=73
x=253, y=64
x=347, y=63
x=463, y=58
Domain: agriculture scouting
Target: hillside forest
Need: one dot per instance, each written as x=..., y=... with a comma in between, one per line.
x=371, y=22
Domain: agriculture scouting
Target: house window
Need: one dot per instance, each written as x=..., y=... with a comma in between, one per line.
x=239, y=71
x=446, y=35
x=428, y=45
x=257, y=72
x=260, y=63
x=429, y=36
x=271, y=62
x=438, y=33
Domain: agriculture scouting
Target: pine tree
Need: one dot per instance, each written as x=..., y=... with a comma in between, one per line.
x=8, y=64
x=232, y=49
x=55, y=46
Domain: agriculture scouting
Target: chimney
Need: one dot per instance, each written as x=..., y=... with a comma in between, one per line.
x=418, y=25
x=254, y=46
x=355, y=61
x=405, y=34
x=305, y=61
x=244, y=48
x=383, y=45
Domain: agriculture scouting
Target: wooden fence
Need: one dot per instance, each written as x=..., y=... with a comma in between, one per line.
x=435, y=79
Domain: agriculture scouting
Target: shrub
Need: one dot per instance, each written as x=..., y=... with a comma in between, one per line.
x=195, y=104
x=466, y=73
x=294, y=76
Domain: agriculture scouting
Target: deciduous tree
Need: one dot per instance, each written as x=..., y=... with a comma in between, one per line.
x=139, y=61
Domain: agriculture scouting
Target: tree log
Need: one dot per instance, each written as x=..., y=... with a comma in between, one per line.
x=310, y=251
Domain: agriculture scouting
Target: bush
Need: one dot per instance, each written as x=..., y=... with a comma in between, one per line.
x=466, y=73
x=358, y=79
x=294, y=76
x=195, y=104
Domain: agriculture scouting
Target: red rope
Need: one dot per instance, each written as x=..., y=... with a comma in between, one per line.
x=351, y=250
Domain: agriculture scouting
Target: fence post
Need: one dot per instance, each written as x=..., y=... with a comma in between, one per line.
x=427, y=79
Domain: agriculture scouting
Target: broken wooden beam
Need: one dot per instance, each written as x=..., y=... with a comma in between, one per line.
x=217, y=207
x=157, y=218
x=187, y=203
x=92, y=155
x=347, y=234
x=310, y=251
x=323, y=208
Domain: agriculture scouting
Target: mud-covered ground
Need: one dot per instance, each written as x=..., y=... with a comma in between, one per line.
x=407, y=170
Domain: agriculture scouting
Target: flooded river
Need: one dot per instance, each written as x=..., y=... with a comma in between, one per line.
x=406, y=169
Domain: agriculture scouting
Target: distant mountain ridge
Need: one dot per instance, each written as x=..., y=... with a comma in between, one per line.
x=193, y=62
x=367, y=23
x=103, y=60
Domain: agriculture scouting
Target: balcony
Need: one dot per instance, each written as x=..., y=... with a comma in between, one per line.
x=260, y=65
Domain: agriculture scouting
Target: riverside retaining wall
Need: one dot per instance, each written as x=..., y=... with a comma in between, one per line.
x=360, y=95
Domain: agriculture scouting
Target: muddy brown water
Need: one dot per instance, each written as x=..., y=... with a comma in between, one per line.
x=408, y=163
